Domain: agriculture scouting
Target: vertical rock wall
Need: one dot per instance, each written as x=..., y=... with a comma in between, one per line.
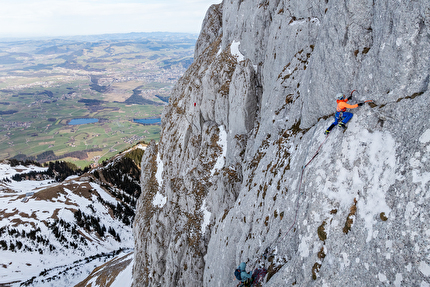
x=226, y=181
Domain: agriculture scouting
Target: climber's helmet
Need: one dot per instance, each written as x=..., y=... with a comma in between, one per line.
x=340, y=97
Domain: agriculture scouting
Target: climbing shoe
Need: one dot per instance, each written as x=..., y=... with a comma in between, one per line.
x=341, y=125
x=326, y=132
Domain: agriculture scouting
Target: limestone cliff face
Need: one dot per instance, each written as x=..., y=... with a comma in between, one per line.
x=226, y=181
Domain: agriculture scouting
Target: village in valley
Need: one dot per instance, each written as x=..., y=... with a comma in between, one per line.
x=45, y=84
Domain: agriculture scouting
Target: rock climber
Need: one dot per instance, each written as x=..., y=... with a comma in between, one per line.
x=241, y=274
x=341, y=114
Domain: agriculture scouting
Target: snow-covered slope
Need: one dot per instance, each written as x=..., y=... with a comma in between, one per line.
x=54, y=233
x=114, y=273
x=266, y=73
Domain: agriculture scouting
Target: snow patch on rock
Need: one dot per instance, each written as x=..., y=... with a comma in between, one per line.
x=222, y=142
x=235, y=51
x=159, y=199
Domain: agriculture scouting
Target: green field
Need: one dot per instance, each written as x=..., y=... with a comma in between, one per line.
x=39, y=125
x=45, y=84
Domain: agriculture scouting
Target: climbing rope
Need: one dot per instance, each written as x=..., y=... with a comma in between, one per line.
x=269, y=249
x=303, y=170
x=300, y=185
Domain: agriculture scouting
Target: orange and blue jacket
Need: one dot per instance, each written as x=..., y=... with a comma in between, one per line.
x=342, y=105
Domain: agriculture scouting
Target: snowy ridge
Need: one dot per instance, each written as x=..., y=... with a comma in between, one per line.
x=54, y=233
x=6, y=171
x=114, y=273
x=41, y=214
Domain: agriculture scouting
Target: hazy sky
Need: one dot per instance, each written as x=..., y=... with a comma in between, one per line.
x=25, y=18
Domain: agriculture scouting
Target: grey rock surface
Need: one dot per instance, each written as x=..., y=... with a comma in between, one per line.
x=227, y=180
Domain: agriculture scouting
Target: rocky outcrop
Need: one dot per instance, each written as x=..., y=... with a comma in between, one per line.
x=243, y=166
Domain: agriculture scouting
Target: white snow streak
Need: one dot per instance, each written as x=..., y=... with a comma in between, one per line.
x=159, y=199
x=206, y=216
x=160, y=168
x=222, y=141
x=235, y=51
x=103, y=194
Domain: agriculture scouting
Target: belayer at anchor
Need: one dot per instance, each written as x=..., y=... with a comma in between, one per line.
x=342, y=116
x=249, y=279
x=244, y=277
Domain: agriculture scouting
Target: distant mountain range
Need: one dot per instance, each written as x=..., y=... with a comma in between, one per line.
x=115, y=36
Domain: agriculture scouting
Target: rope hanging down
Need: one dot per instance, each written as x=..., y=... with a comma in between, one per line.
x=269, y=249
x=300, y=185
x=301, y=178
